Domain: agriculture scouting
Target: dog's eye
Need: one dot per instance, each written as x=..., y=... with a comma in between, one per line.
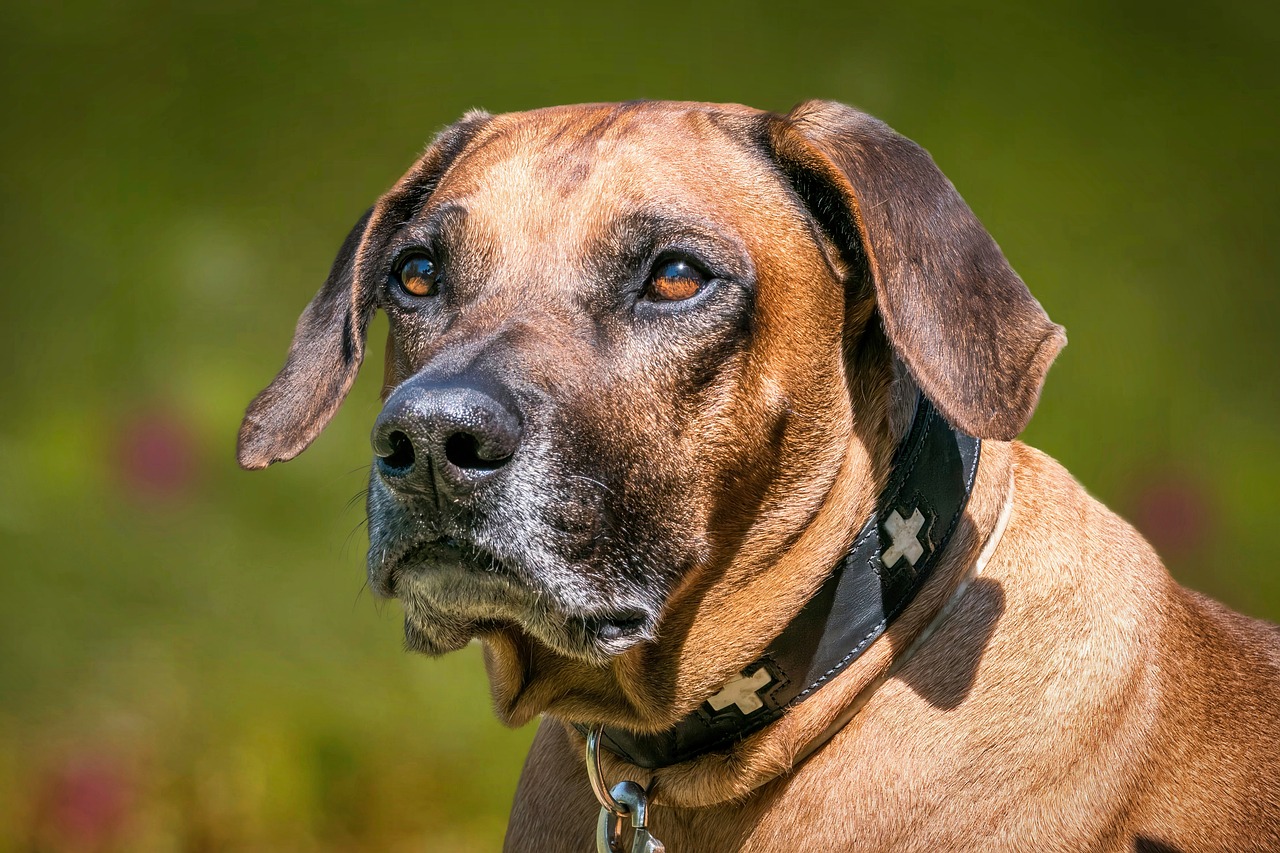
x=417, y=275
x=673, y=281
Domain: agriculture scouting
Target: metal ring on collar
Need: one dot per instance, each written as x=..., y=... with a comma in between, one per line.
x=596, y=775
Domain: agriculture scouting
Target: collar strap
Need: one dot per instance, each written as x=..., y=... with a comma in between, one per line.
x=894, y=554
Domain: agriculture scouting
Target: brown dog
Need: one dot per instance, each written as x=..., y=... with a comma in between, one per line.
x=648, y=367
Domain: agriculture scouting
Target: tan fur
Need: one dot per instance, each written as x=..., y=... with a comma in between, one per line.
x=528, y=679
x=1075, y=699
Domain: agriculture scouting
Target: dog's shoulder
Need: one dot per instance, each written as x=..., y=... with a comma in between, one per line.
x=1067, y=543
x=1098, y=613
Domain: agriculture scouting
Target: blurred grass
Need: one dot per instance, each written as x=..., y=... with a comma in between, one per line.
x=187, y=661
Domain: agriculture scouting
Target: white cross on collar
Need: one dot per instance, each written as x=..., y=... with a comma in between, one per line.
x=743, y=691
x=905, y=536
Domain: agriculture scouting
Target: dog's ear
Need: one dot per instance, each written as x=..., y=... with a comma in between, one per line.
x=327, y=348
x=975, y=340
x=329, y=341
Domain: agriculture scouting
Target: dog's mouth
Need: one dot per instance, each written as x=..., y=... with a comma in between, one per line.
x=454, y=591
x=394, y=572
x=442, y=553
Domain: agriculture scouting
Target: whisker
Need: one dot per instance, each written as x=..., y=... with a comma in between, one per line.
x=592, y=481
x=346, y=543
x=362, y=468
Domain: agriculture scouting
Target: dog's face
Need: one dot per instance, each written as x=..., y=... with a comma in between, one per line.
x=573, y=369
x=630, y=345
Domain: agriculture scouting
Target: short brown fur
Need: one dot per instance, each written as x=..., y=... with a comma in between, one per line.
x=1076, y=698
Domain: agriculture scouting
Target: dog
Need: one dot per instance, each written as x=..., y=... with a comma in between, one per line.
x=677, y=396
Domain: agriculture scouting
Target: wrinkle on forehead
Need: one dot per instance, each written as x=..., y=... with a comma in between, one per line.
x=555, y=160
x=543, y=186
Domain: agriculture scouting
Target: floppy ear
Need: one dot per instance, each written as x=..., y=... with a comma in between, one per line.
x=327, y=348
x=975, y=340
x=329, y=341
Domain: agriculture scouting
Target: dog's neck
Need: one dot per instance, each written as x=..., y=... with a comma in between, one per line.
x=719, y=622
x=777, y=748
x=875, y=581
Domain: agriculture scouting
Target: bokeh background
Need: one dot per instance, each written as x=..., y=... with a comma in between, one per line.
x=187, y=658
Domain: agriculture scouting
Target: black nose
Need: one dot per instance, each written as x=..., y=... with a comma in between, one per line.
x=455, y=434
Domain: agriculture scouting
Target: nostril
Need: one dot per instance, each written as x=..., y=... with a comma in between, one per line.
x=400, y=460
x=462, y=449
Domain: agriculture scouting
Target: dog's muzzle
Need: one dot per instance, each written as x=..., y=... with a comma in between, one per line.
x=477, y=525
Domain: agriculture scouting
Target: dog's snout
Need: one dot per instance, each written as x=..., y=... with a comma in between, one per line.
x=456, y=434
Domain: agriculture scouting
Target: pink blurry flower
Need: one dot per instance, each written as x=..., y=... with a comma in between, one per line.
x=156, y=454
x=1175, y=512
x=85, y=802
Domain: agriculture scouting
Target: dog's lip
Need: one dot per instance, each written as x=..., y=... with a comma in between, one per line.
x=415, y=556
x=597, y=638
x=445, y=546
x=595, y=633
x=618, y=627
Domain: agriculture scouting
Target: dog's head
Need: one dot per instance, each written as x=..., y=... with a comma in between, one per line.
x=632, y=344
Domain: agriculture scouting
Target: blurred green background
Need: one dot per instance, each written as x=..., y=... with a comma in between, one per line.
x=187, y=659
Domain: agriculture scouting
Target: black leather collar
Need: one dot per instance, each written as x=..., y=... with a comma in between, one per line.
x=893, y=556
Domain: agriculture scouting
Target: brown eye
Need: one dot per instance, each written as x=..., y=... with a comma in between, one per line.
x=673, y=281
x=417, y=275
